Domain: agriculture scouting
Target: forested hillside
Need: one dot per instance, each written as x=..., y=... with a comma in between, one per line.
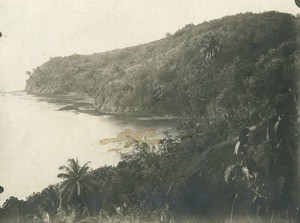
x=234, y=83
x=196, y=70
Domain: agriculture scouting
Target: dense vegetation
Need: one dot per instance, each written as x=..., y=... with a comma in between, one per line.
x=175, y=74
x=234, y=82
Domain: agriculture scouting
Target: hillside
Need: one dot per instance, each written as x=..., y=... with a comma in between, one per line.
x=190, y=71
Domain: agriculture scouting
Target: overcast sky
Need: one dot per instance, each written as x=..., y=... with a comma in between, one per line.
x=35, y=30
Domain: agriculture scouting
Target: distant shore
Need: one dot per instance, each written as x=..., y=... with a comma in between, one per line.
x=84, y=103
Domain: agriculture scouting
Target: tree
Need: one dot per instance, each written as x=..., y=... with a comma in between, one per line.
x=78, y=183
x=212, y=51
x=14, y=208
x=49, y=201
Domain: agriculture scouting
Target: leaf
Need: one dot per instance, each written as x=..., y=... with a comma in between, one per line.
x=228, y=172
x=236, y=148
x=63, y=175
x=263, y=155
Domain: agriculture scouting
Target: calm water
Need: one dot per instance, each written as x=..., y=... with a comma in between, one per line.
x=35, y=139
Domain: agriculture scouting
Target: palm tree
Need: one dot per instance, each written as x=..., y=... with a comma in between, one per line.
x=78, y=183
x=49, y=201
x=212, y=50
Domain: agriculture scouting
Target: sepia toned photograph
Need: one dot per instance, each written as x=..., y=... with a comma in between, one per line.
x=149, y=111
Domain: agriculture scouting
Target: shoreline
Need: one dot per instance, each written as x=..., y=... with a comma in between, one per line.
x=83, y=103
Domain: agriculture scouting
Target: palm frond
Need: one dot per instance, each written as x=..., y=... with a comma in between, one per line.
x=66, y=169
x=84, y=168
x=236, y=148
x=74, y=164
x=78, y=188
x=263, y=155
x=65, y=187
x=64, y=176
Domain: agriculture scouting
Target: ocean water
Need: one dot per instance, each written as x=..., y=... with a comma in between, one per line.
x=36, y=138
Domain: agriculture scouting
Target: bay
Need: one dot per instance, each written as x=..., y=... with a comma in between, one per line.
x=36, y=137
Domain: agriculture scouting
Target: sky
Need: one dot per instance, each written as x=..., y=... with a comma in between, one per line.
x=35, y=30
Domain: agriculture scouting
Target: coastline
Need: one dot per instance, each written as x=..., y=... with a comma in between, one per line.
x=84, y=103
